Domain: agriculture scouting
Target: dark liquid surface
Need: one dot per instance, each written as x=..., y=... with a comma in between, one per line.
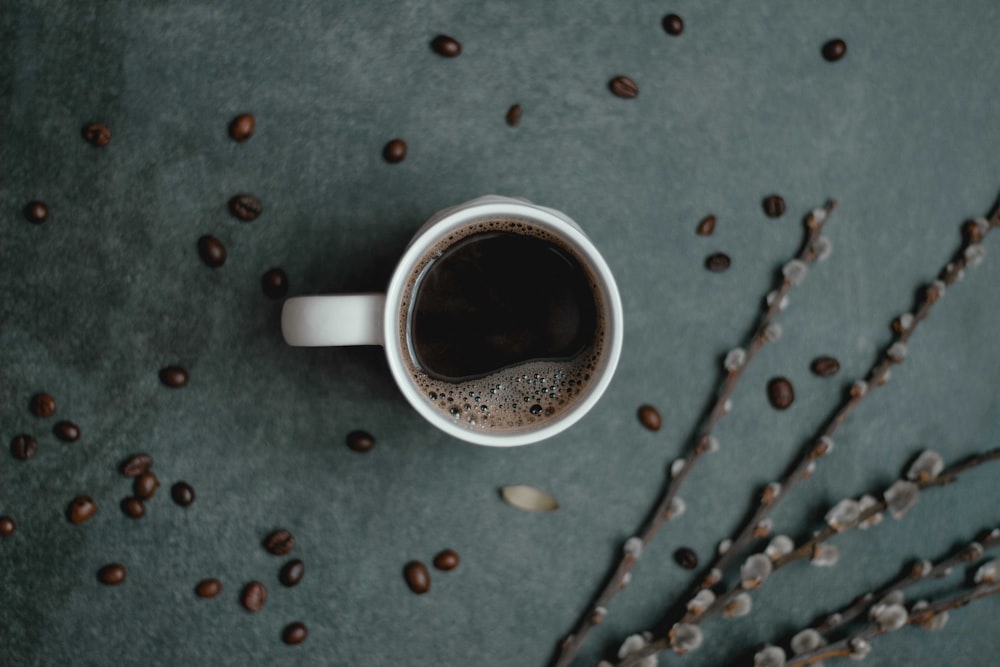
x=497, y=299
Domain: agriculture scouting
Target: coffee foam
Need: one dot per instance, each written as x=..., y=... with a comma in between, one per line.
x=525, y=396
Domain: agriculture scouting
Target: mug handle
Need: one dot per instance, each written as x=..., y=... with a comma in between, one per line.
x=343, y=319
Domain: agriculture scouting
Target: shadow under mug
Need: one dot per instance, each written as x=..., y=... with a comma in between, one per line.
x=382, y=319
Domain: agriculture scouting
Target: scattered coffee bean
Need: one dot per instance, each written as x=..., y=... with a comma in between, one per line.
x=7, y=526
x=394, y=151
x=417, y=577
x=780, y=393
x=446, y=46
x=774, y=206
x=66, y=431
x=241, y=128
x=254, y=596
x=133, y=507
x=294, y=633
x=174, y=377
x=36, y=212
x=686, y=558
x=291, y=573
x=650, y=417
x=707, y=226
x=80, y=509
x=514, y=115
x=274, y=282
x=208, y=588
x=23, y=447
x=97, y=134
x=673, y=24
x=360, y=441
x=111, y=574
x=245, y=207
x=136, y=464
x=717, y=262
x=834, y=50
x=212, y=251
x=622, y=86
x=182, y=493
x=280, y=542
x=145, y=485
x=42, y=405
x=825, y=366
x=447, y=560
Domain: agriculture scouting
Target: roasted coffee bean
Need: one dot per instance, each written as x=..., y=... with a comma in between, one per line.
x=707, y=226
x=418, y=578
x=42, y=405
x=174, y=377
x=23, y=447
x=717, y=262
x=133, y=507
x=245, y=207
x=446, y=46
x=254, y=596
x=36, y=212
x=394, y=151
x=447, y=560
x=622, y=86
x=136, y=464
x=66, y=431
x=673, y=24
x=774, y=206
x=274, y=282
x=686, y=558
x=80, y=509
x=834, y=50
x=111, y=574
x=360, y=441
x=145, y=485
x=208, y=588
x=97, y=134
x=650, y=417
x=780, y=393
x=212, y=251
x=825, y=366
x=291, y=573
x=294, y=633
x=7, y=526
x=241, y=128
x=279, y=542
x=514, y=115
x=182, y=493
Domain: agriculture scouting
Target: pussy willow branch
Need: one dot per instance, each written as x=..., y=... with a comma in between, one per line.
x=661, y=511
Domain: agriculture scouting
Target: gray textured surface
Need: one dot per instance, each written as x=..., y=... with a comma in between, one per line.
x=904, y=132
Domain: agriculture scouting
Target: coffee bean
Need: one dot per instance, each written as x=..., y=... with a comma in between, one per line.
x=245, y=207
x=42, y=405
x=774, y=206
x=7, y=526
x=182, y=493
x=291, y=573
x=650, y=417
x=97, y=134
x=208, y=588
x=133, y=507
x=36, y=212
x=707, y=226
x=673, y=24
x=825, y=366
x=174, y=377
x=447, y=560
x=360, y=441
x=717, y=262
x=280, y=542
x=241, y=128
x=394, y=151
x=274, y=282
x=417, y=577
x=145, y=485
x=111, y=574
x=446, y=46
x=80, y=509
x=66, y=431
x=23, y=447
x=254, y=596
x=780, y=393
x=514, y=115
x=686, y=558
x=212, y=251
x=294, y=633
x=136, y=464
x=622, y=86
x=834, y=50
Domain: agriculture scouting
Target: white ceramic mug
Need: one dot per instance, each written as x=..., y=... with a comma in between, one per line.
x=381, y=319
